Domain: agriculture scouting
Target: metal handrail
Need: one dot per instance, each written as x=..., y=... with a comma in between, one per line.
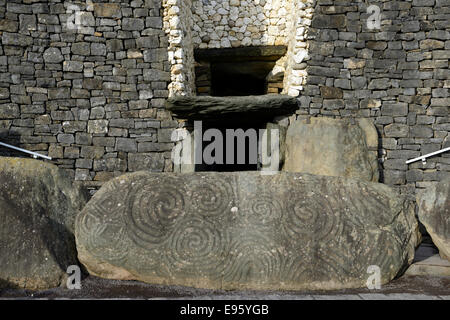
x=424, y=157
x=34, y=154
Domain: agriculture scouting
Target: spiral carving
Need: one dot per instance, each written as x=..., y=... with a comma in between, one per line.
x=106, y=240
x=152, y=211
x=244, y=231
x=198, y=247
x=263, y=209
x=212, y=196
x=254, y=256
x=312, y=217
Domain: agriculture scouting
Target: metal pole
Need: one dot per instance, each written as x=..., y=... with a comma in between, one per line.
x=424, y=157
x=34, y=154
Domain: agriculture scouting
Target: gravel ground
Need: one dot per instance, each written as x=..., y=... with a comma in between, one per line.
x=95, y=288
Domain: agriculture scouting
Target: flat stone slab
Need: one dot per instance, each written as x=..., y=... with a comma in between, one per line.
x=434, y=213
x=243, y=230
x=333, y=147
x=427, y=262
x=263, y=107
x=271, y=53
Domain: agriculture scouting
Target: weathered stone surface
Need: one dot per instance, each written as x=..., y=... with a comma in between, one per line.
x=16, y=39
x=53, y=55
x=38, y=205
x=9, y=111
x=237, y=54
x=332, y=147
x=434, y=214
x=206, y=107
x=109, y=10
x=245, y=230
x=331, y=92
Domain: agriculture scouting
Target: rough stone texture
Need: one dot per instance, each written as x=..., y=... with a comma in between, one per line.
x=434, y=214
x=394, y=75
x=222, y=24
x=245, y=230
x=63, y=89
x=206, y=107
x=38, y=205
x=397, y=75
x=332, y=147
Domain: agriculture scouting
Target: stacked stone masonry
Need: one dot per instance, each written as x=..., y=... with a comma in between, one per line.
x=92, y=96
x=397, y=75
x=192, y=24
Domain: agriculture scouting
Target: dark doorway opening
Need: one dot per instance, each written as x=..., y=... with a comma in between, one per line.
x=240, y=142
x=235, y=71
x=244, y=78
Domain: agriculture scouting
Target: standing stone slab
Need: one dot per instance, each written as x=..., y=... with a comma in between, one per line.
x=38, y=205
x=245, y=231
x=333, y=147
x=434, y=213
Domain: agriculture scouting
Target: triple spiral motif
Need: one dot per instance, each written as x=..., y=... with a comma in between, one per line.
x=205, y=226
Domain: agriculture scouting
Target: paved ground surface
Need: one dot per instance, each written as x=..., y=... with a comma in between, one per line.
x=428, y=262
x=407, y=287
x=427, y=279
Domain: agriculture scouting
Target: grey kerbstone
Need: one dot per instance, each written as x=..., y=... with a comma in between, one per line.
x=434, y=214
x=343, y=148
x=36, y=233
x=245, y=230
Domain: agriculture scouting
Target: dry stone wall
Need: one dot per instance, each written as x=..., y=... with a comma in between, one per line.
x=92, y=96
x=178, y=27
x=235, y=23
x=85, y=83
x=397, y=75
x=209, y=24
